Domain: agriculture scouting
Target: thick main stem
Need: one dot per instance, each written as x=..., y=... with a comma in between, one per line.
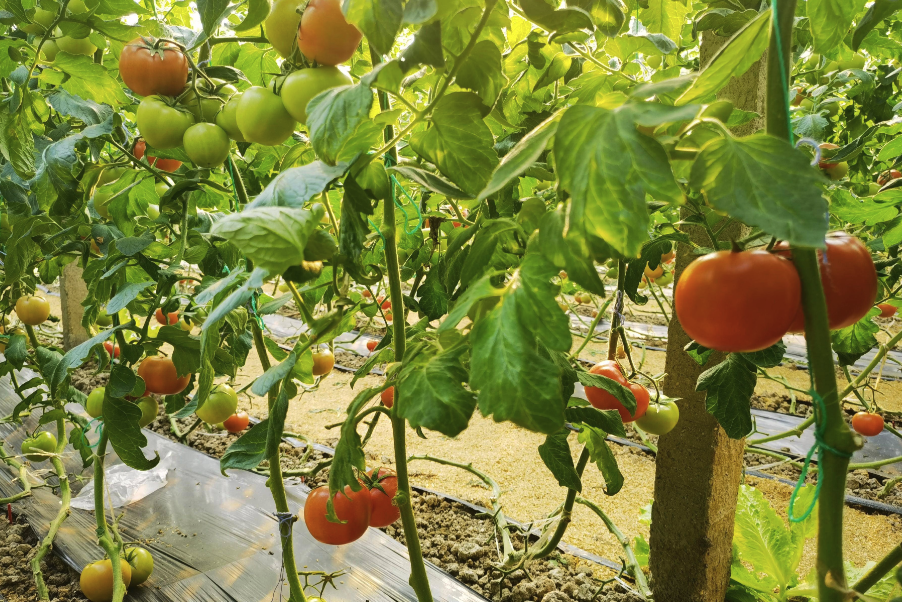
x=836, y=434
x=65, y=498
x=103, y=532
x=277, y=486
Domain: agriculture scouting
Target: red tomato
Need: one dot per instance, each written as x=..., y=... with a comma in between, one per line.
x=886, y=176
x=599, y=397
x=149, y=66
x=887, y=310
x=366, y=293
x=642, y=399
x=738, y=301
x=371, y=345
x=325, y=36
x=161, y=377
x=384, y=512
x=237, y=423
x=351, y=506
x=827, y=164
x=386, y=305
x=110, y=349
x=388, y=397
x=169, y=165
x=849, y=279
x=173, y=317
x=867, y=424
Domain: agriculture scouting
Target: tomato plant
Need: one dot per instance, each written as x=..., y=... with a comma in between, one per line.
x=352, y=507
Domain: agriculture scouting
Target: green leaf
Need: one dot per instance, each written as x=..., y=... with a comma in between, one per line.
x=623, y=394
x=17, y=351
x=247, y=451
x=732, y=60
x=433, y=295
x=830, y=20
x=869, y=211
x=730, y=385
x=88, y=79
x=274, y=238
x=76, y=356
x=212, y=12
x=379, y=20
x=275, y=374
x=607, y=420
x=566, y=254
x=561, y=21
x=482, y=72
x=763, y=181
x=257, y=11
x=277, y=415
x=126, y=295
x=349, y=451
x=601, y=455
x=649, y=256
x=122, y=381
x=608, y=167
x=459, y=143
x=435, y=183
x=852, y=342
x=762, y=540
x=354, y=227
x=555, y=453
x=120, y=8
x=426, y=48
x=665, y=17
x=419, y=11
x=339, y=123
x=88, y=111
x=294, y=187
x=514, y=381
x=522, y=156
x=877, y=12
x=16, y=141
x=767, y=358
x=433, y=393
x=120, y=420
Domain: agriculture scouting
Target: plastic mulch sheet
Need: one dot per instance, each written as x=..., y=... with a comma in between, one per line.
x=214, y=538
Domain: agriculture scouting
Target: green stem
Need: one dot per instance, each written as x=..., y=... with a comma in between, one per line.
x=591, y=334
x=31, y=336
x=631, y=562
x=238, y=183
x=65, y=499
x=103, y=533
x=276, y=485
x=566, y=512
x=183, y=232
x=888, y=563
x=836, y=434
x=797, y=431
x=419, y=581
x=882, y=350
x=651, y=289
x=874, y=464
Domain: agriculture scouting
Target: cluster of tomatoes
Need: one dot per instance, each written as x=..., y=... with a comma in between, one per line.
x=371, y=506
x=657, y=419
x=96, y=579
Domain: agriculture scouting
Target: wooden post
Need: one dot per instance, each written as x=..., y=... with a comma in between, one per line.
x=72, y=292
x=698, y=467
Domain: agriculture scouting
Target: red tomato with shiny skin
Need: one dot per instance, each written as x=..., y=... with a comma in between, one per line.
x=325, y=36
x=849, y=279
x=598, y=397
x=867, y=424
x=149, y=67
x=161, y=377
x=388, y=397
x=168, y=165
x=738, y=301
x=173, y=317
x=383, y=512
x=111, y=350
x=237, y=422
x=350, y=506
x=371, y=345
x=887, y=310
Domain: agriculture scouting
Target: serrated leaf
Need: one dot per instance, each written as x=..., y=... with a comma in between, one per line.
x=565, y=253
x=120, y=419
x=607, y=420
x=379, y=20
x=339, y=123
x=555, y=453
x=277, y=414
x=247, y=451
x=878, y=11
x=732, y=60
x=126, y=295
x=459, y=143
x=767, y=358
x=608, y=167
x=433, y=393
x=275, y=374
x=763, y=181
x=431, y=181
x=601, y=455
x=522, y=156
x=88, y=79
x=294, y=187
x=665, y=17
x=482, y=72
x=830, y=20
x=349, y=451
x=257, y=11
x=212, y=12
x=623, y=394
x=729, y=386
x=852, y=342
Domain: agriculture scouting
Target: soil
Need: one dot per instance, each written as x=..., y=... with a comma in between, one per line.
x=18, y=545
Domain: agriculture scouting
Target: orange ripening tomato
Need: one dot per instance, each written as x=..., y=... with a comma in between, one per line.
x=887, y=176
x=849, y=279
x=170, y=319
x=353, y=507
x=886, y=310
x=388, y=397
x=738, y=301
x=325, y=36
x=237, y=422
x=161, y=377
x=867, y=424
x=168, y=165
x=149, y=66
x=371, y=345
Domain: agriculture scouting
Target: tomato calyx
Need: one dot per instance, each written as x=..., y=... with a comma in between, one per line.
x=158, y=46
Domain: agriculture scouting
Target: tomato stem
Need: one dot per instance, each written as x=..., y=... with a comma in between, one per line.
x=888, y=563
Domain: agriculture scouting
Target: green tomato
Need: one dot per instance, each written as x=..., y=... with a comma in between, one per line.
x=208, y=108
x=94, y=405
x=531, y=211
x=832, y=108
x=76, y=7
x=227, y=118
x=300, y=87
x=42, y=19
x=807, y=104
x=654, y=62
x=161, y=125
x=153, y=211
x=659, y=418
x=837, y=172
x=664, y=280
x=104, y=319
x=110, y=174
x=220, y=405
x=102, y=196
x=612, y=273
x=160, y=188
x=857, y=61
x=149, y=409
x=207, y=144
x=262, y=118
x=33, y=447
x=74, y=45
x=141, y=562
x=873, y=188
x=282, y=26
